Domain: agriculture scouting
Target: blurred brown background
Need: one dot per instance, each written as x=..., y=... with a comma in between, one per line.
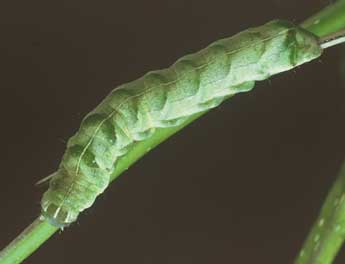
x=241, y=185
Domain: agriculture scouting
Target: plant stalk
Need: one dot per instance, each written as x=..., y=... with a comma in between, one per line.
x=328, y=232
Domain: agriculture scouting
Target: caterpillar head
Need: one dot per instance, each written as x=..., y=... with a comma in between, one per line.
x=306, y=47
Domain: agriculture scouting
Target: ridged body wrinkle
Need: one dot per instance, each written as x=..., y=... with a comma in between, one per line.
x=164, y=98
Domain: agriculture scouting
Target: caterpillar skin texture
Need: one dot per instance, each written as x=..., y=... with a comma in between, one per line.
x=165, y=98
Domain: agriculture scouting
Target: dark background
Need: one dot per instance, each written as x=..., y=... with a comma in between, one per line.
x=241, y=185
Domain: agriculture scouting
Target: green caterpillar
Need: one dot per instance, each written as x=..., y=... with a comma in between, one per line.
x=165, y=98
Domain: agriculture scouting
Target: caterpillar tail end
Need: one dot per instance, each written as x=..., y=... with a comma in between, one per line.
x=57, y=216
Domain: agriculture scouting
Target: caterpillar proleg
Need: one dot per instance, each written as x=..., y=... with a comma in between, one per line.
x=164, y=98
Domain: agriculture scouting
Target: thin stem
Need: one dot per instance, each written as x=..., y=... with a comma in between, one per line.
x=27, y=242
x=332, y=39
x=327, y=234
x=330, y=20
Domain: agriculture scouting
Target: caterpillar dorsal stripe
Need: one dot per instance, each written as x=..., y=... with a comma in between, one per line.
x=165, y=98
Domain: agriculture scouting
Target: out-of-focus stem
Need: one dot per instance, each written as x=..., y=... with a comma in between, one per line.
x=328, y=233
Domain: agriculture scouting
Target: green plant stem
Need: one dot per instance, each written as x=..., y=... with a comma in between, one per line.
x=330, y=19
x=27, y=242
x=39, y=231
x=327, y=234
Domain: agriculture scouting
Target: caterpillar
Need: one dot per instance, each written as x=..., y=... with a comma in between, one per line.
x=164, y=98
